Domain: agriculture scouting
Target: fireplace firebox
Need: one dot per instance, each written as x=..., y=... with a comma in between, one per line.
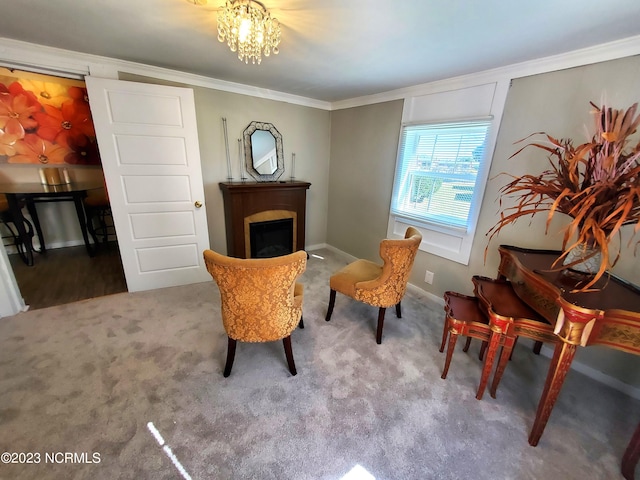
x=272, y=238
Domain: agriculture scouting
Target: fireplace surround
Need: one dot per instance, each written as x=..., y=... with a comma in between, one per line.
x=265, y=205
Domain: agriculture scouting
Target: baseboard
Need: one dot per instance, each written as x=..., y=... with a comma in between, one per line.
x=71, y=243
x=347, y=257
x=430, y=296
x=598, y=376
x=318, y=246
x=11, y=249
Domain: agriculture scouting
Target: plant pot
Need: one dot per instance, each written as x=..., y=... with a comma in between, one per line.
x=584, y=258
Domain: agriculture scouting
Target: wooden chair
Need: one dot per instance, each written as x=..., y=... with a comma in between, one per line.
x=515, y=319
x=381, y=286
x=260, y=299
x=464, y=316
x=99, y=218
x=497, y=317
x=11, y=234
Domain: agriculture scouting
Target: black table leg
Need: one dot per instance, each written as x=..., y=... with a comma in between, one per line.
x=82, y=220
x=18, y=221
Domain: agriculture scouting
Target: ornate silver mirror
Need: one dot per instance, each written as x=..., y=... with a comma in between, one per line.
x=264, y=158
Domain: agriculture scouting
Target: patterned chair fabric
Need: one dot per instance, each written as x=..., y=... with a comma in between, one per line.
x=260, y=299
x=381, y=286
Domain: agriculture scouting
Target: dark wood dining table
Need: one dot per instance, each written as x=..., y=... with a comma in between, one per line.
x=29, y=194
x=608, y=316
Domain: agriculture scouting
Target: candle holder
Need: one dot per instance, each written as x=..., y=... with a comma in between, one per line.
x=226, y=147
x=243, y=177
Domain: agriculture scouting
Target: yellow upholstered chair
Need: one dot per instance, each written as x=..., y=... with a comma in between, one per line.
x=381, y=286
x=260, y=299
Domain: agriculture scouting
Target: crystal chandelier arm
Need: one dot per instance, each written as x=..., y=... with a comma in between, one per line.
x=249, y=29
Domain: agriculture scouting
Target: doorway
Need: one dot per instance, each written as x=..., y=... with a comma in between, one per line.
x=155, y=185
x=68, y=274
x=52, y=132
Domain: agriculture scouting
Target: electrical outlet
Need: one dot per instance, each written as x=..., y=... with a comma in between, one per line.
x=428, y=277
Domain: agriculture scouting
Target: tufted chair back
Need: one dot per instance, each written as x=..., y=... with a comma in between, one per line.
x=381, y=286
x=260, y=299
x=388, y=289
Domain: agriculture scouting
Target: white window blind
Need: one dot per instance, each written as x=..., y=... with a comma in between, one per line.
x=437, y=171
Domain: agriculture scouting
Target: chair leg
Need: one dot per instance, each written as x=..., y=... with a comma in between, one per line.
x=505, y=356
x=301, y=324
x=494, y=343
x=483, y=349
x=515, y=342
x=332, y=301
x=289, y=353
x=536, y=347
x=453, y=338
x=398, y=310
x=103, y=224
x=15, y=234
x=380, y=325
x=231, y=353
x=631, y=456
x=90, y=228
x=467, y=344
x=445, y=332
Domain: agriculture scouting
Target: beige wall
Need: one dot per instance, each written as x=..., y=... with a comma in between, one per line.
x=304, y=131
x=555, y=102
x=364, y=143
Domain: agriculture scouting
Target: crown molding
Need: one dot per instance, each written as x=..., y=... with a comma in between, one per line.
x=55, y=61
x=68, y=63
x=599, y=53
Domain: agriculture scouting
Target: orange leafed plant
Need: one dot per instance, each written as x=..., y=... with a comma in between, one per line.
x=597, y=184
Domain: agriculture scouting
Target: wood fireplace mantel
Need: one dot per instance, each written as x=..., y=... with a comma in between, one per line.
x=244, y=199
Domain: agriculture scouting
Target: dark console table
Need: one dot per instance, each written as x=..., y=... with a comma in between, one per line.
x=32, y=193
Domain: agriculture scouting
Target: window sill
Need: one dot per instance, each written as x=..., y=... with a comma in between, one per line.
x=450, y=243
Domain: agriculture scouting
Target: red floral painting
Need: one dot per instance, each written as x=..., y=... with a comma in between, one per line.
x=45, y=120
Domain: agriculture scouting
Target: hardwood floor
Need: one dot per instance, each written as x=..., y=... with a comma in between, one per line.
x=66, y=275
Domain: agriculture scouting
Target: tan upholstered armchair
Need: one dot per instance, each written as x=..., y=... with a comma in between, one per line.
x=381, y=286
x=260, y=299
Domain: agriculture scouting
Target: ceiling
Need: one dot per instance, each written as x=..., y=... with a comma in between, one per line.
x=331, y=50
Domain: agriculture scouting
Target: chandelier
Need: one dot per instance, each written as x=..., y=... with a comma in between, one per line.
x=249, y=29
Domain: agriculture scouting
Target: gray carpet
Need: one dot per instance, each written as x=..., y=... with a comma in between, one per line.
x=88, y=377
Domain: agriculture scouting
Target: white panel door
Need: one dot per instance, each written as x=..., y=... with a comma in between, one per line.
x=148, y=140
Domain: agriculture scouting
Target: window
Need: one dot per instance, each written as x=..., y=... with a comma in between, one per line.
x=446, y=144
x=437, y=172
